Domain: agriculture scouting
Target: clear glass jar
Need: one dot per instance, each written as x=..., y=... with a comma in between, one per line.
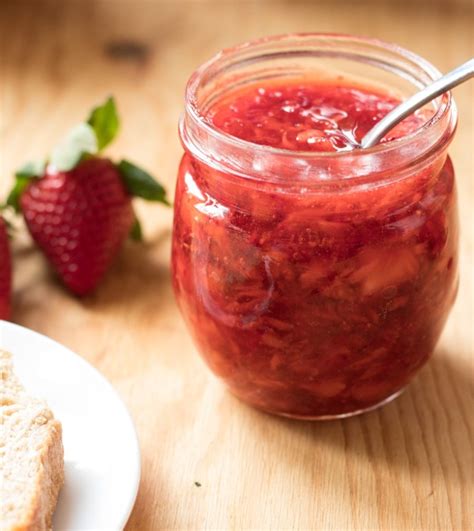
x=315, y=284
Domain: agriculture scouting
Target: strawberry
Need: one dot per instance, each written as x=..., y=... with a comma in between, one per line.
x=5, y=272
x=80, y=219
x=78, y=205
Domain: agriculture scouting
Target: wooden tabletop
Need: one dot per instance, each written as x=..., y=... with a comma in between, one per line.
x=210, y=462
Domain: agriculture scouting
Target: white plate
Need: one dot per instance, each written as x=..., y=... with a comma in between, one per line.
x=102, y=456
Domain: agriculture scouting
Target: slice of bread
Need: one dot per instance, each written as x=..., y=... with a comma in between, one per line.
x=31, y=456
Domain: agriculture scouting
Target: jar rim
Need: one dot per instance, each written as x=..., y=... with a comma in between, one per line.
x=446, y=108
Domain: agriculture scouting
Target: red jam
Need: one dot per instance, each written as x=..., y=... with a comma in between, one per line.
x=307, y=116
x=313, y=304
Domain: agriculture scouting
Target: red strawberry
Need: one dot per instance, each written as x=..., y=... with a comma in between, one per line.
x=78, y=207
x=79, y=218
x=5, y=272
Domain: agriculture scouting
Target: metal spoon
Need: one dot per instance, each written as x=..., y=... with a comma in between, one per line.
x=443, y=84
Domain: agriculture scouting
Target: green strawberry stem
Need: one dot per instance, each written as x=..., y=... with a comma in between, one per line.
x=105, y=122
x=136, y=233
x=139, y=183
x=23, y=177
x=85, y=141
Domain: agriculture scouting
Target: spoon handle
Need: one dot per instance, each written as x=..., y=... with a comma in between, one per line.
x=443, y=84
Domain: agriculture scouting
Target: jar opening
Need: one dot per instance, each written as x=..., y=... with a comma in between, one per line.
x=368, y=61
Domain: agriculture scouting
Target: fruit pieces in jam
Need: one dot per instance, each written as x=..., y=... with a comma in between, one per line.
x=313, y=304
x=307, y=117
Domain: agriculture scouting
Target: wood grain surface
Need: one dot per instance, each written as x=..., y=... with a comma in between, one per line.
x=407, y=466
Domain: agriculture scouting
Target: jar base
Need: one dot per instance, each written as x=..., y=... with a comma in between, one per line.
x=337, y=416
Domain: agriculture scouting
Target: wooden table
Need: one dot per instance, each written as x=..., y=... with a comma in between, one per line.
x=407, y=466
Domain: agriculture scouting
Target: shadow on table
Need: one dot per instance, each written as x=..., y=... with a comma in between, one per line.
x=141, y=273
x=427, y=431
x=387, y=469
x=138, y=271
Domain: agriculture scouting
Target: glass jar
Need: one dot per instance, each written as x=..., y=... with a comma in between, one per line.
x=315, y=284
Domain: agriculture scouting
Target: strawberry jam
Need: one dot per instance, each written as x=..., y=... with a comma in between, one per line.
x=307, y=117
x=313, y=295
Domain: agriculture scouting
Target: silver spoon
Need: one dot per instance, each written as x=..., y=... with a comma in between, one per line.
x=443, y=84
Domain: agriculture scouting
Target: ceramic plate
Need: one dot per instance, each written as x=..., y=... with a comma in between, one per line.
x=101, y=452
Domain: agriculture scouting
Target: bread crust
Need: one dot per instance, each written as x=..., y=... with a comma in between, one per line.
x=48, y=477
x=49, y=481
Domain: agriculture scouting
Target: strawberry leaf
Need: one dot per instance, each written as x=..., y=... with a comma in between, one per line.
x=136, y=233
x=140, y=183
x=23, y=177
x=32, y=169
x=105, y=122
x=13, y=198
x=81, y=140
